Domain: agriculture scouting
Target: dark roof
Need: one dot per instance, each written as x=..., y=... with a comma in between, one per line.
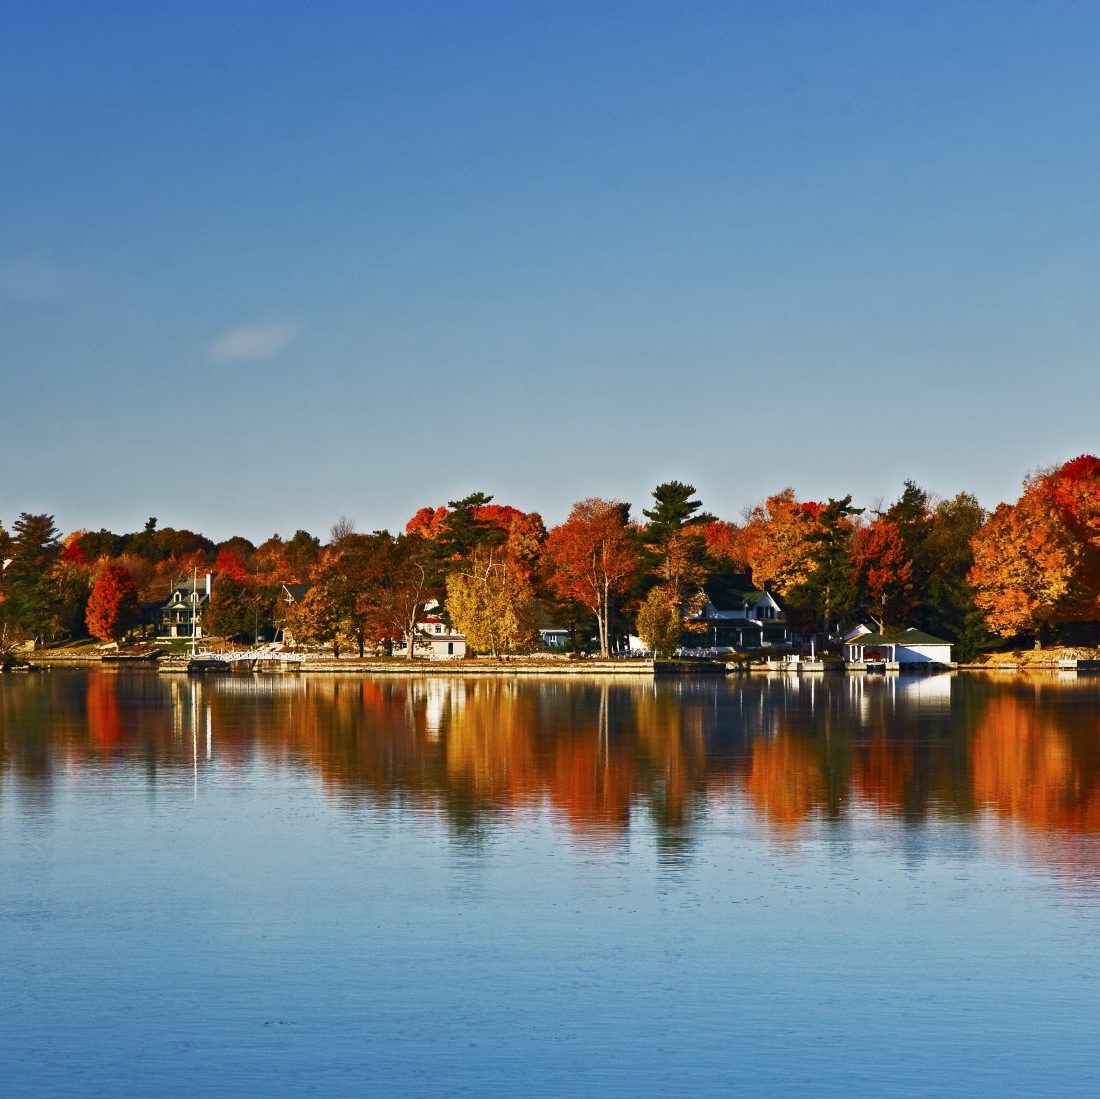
x=910, y=636
x=297, y=591
x=728, y=591
x=190, y=584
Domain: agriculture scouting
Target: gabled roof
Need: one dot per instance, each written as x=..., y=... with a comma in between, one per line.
x=182, y=589
x=297, y=592
x=728, y=591
x=910, y=636
x=733, y=591
x=190, y=584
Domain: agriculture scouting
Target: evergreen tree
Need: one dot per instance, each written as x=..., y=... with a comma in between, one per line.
x=674, y=537
x=829, y=592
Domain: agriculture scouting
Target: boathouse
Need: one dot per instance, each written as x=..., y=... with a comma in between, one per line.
x=910, y=646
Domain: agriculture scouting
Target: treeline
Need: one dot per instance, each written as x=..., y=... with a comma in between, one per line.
x=1030, y=570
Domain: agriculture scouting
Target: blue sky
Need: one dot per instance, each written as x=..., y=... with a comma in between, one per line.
x=262, y=265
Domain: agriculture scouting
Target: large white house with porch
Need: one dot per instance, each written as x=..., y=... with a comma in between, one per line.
x=181, y=616
x=734, y=614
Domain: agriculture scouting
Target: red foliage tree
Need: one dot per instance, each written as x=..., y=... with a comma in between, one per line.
x=428, y=522
x=883, y=570
x=112, y=606
x=230, y=563
x=593, y=558
x=723, y=542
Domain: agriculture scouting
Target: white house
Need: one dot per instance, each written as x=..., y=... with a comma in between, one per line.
x=909, y=646
x=182, y=614
x=734, y=614
x=435, y=639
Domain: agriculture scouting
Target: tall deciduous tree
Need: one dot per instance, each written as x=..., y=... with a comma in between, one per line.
x=365, y=564
x=112, y=605
x=239, y=606
x=1037, y=562
x=883, y=571
x=491, y=602
x=593, y=558
x=723, y=541
x=774, y=541
x=414, y=579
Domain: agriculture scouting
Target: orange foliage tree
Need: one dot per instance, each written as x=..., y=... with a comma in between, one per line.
x=593, y=558
x=1037, y=562
x=723, y=542
x=774, y=542
x=112, y=606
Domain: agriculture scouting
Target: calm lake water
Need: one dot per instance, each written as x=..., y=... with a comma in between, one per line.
x=333, y=886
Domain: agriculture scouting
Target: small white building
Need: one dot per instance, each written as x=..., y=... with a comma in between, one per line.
x=435, y=640
x=909, y=646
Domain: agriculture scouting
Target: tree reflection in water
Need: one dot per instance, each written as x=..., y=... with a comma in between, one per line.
x=602, y=754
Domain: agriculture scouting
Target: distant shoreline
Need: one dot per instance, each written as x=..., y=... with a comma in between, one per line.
x=520, y=666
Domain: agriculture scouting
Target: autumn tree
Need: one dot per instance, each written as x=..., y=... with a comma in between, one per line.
x=660, y=623
x=366, y=565
x=723, y=542
x=490, y=600
x=593, y=558
x=774, y=541
x=112, y=605
x=318, y=618
x=1037, y=562
x=427, y=522
x=300, y=554
x=238, y=606
x=882, y=567
x=414, y=578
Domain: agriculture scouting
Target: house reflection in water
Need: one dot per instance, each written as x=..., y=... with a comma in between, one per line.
x=602, y=756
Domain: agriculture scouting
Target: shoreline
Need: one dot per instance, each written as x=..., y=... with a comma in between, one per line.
x=549, y=667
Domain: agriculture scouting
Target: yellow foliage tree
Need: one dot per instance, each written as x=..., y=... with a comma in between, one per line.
x=491, y=602
x=659, y=621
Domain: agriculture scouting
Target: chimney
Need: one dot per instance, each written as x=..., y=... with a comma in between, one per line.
x=209, y=585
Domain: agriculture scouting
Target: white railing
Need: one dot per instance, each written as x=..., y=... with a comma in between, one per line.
x=235, y=656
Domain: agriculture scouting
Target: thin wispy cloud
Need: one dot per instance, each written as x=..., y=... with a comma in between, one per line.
x=253, y=342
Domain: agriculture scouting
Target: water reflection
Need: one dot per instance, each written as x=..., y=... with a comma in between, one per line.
x=602, y=755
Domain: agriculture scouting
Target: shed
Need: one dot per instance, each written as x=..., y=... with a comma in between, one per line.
x=911, y=646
